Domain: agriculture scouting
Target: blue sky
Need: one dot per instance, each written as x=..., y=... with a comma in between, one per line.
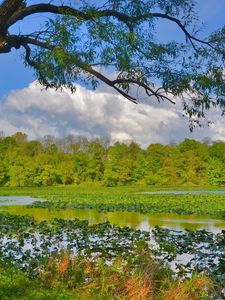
x=14, y=75
x=17, y=90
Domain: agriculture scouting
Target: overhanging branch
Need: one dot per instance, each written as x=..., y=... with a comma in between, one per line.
x=89, y=69
x=130, y=21
x=25, y=41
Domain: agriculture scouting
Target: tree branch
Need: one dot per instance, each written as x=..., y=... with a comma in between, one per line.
x=7, y=9
x=130, y=21
x=24, y=41
x=149, y=91
x=66, y=10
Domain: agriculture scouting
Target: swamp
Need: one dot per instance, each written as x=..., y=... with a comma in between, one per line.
x=93, y=242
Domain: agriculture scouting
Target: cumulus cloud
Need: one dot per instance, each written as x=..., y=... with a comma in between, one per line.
x=97, y=113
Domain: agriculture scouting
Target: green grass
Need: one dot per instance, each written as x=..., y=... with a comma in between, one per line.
x=124, y=199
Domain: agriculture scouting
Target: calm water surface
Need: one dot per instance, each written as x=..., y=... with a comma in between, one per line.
x=17, y=205
x=17, y=200
x=197, y=192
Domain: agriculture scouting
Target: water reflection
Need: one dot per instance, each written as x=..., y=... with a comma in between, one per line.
x=132, y=219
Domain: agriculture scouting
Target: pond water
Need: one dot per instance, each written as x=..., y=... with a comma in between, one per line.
x=17, y=205
x=17, y=200
x=197, y=249
x=197, y=192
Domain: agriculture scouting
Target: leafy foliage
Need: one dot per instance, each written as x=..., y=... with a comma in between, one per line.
x=84, y=41
x=75, y=160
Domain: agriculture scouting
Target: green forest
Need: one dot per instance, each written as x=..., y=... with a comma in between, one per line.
x=74, y=160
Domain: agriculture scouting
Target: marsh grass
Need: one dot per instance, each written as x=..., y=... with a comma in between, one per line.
x=118, y=280
x=67, y=277
x=196, y=288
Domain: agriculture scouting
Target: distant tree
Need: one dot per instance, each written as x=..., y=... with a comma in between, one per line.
x=169, y=173
x=154, y=156
x=48, y=175
x=137, y=156
x=217, y=150
x=27, y=163
x=80, y=163
x=6, y=144
x=118, y=165
x=84, y=40
x=193, y=161
x=65, y=171
x=2, y=173
x=216, y=172
x=97, y=156
x=33, y=148
x=18, y=171
x=49, y=143
x=20, y=137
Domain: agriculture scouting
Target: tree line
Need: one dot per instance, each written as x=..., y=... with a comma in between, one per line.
x=74, y=160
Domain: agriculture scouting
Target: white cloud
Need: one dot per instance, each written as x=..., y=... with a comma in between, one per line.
x=97, y=113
